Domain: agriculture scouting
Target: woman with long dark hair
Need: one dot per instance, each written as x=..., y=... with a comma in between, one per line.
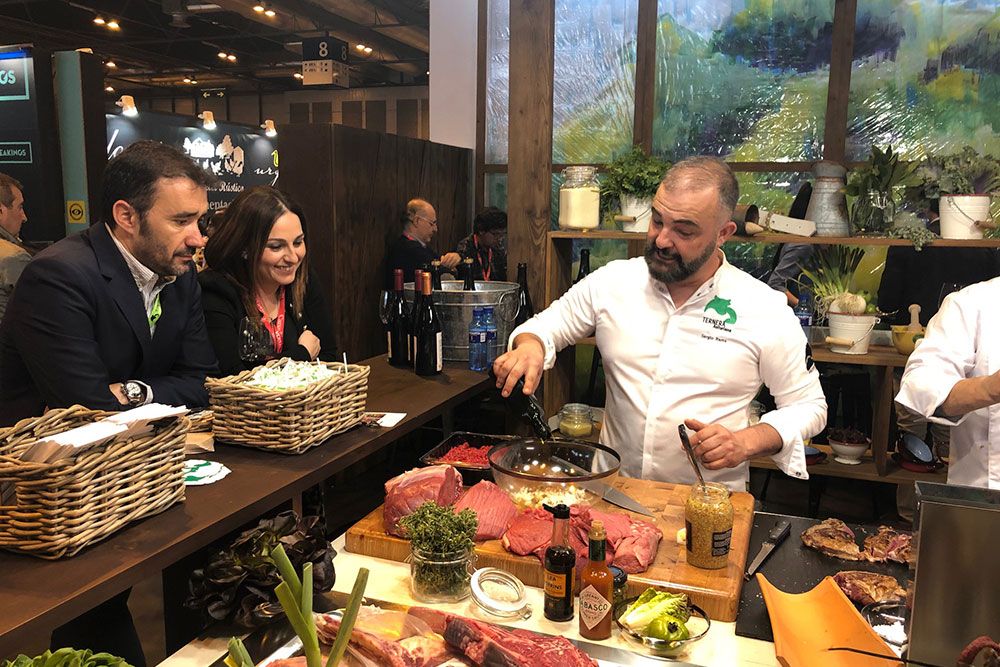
x=260, y=299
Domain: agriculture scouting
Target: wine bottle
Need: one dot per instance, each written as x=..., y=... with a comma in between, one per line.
x=470, y=278
x=428, y=348
x=560, y=567
x=418, y=296
x=525, y=311
x=584, y=265
x=597, y=587
x=528, y=407
x=398, y=325
x=436, y=274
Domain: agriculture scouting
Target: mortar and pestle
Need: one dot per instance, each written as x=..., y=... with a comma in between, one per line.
x=905, y=336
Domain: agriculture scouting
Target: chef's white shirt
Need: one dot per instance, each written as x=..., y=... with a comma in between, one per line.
x=705, y=360
x=961, y=341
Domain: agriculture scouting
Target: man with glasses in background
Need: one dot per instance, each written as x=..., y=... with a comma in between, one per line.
x=411, y=251
x=487, y=246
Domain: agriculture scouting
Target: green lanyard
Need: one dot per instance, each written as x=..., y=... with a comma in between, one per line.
x=155, y=313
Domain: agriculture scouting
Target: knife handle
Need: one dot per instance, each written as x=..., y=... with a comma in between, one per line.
x=779, y=532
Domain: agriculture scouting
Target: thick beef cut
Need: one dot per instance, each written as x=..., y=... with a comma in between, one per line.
x=411, y=652
x=886, y=545
x=493, y=508
x=491, y=646
x=408, y=491
x=868, y=587
x=529, y=533
x=833, y=538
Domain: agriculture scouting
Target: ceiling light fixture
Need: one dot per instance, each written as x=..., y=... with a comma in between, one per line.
x=99, y=20
x=368, y=49
x=268, y=127
x=187, y=79
x=109, y=89
x=222, y=54
x=269, y=13
x=258, y=8
x=110, y=64
x=231, y=58
x=194, y=82
x=207, y=120
x=127, y=103
x=298, y=75
x=360, y=47
x=113, y=24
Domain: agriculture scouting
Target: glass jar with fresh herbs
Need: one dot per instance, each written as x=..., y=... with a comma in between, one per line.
x=441, y=551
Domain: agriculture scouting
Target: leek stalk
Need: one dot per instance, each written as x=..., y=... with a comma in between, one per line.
x=347, y=620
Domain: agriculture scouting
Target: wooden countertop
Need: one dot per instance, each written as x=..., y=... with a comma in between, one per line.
x=36, y=594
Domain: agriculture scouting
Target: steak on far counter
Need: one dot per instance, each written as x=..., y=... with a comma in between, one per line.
x=868, y=587
x=887, y=545
x=833, y=538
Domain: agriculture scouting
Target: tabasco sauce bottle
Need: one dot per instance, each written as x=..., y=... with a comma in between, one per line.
x=596, y=588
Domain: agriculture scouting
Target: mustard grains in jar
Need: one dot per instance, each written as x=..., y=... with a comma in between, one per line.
x=708, y=517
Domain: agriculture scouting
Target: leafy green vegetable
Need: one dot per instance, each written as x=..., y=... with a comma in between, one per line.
x=634, y=174
x=67, y=657
x=638, y=616
x=438, y=529
x=963, y=173
x=238, y=654
x=830, y=271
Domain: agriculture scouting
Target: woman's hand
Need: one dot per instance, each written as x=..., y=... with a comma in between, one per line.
x=309, y=341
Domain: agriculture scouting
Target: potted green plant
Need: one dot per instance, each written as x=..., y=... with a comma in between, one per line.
x=852, y=314
x=632, y=179
x=964, y=182
x=876, y=189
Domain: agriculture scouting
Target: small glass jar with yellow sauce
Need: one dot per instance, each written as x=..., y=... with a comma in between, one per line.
x=575, y=420
x=708, y=518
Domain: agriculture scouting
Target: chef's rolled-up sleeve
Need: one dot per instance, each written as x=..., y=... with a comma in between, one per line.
x=786, y=367
x=945, y=355
x=568, y=319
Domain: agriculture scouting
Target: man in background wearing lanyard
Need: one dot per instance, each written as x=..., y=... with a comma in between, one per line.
x=685, y=337
x=111, y=318
x=485, y=246
x=411, y=251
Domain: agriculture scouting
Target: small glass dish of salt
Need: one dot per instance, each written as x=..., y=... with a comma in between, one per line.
x=888, y=621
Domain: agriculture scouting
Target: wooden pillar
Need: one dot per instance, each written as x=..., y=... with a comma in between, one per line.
x=839, y=88
x=645, y=75
x=480, y=177
x=529, y=174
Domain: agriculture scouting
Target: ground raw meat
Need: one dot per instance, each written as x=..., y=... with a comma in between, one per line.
x=491, y=646
x=493, y=508
x=632, y=543
x=868, y=587
x=408, y=491
x=887, y=545
x=833, y=538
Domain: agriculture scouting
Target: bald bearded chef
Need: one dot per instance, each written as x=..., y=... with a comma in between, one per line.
x=685, y=337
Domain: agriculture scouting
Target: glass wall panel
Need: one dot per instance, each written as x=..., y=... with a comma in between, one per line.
x=925, y=77
x=594, y=79
x=742, y=79
x=497, y=80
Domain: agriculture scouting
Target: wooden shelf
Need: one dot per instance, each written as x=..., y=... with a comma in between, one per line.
x=769, y=237
x=865, y=470
x=599, y=234
x=878, y=355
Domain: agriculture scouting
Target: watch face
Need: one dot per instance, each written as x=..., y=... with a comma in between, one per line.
x=133, y=392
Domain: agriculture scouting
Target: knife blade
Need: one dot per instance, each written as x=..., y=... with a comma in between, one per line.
x=775, y=537
x=625, y=501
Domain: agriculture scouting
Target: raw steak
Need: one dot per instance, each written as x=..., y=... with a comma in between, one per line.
x=867, y=587
x=492, y=646
x=408, y=491
x=387, y=654
x=886, y=545
x=529, y=533
x=493, y=508
x=833, y=538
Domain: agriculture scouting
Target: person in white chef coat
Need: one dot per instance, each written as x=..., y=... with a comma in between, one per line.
x=685, y=337
x=953, y=378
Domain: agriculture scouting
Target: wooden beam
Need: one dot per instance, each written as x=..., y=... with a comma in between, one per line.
x=645, y=75
x=839, y=87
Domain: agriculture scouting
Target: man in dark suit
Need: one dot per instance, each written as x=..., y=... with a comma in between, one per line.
x=111, y=318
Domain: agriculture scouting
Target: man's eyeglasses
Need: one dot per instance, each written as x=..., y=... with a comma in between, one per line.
x=433, y=222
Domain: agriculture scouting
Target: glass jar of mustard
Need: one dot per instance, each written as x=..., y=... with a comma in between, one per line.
x=579, y=199
x=575, y=420
x=620, y=579
x=708, y=518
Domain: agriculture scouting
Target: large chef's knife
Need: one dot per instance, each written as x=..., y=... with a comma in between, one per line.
x=774, y=538
x=608, y=492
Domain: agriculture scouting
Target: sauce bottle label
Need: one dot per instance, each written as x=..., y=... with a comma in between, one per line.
x=593, y=607
x=555, y=585
x=720, y=542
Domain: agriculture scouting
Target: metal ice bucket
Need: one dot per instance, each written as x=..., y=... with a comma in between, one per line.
x=455, y=306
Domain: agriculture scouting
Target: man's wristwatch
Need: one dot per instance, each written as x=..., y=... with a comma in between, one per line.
x=135, y=393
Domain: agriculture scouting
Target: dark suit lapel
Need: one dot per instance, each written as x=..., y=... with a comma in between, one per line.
x=121, y=283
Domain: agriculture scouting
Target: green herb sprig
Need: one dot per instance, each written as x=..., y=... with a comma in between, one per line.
x=436, y=529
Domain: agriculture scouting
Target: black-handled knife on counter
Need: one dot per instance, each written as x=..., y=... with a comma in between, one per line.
x=774, y=538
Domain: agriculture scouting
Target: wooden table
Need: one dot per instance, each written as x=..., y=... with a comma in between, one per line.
x=36, y=594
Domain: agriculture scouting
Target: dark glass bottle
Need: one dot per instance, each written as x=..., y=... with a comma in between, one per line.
x=528, y=407
x=398, y=324
x=560, y=568
x=469, y=277
x=597, y=586
x=584, y=266
x=428, y=346
x=436, y=274
x=525, y=311
x=418, y=296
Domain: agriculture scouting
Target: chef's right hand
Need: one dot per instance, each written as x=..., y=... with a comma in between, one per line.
x=525, y=360
x=309, y=341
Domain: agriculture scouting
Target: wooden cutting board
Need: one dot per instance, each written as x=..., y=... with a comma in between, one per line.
x=715, y=591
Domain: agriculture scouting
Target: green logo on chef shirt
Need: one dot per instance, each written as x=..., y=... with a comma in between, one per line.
x=722, y=307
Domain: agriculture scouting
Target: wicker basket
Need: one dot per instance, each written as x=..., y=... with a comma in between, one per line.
x=59, y=508
x=289, y=421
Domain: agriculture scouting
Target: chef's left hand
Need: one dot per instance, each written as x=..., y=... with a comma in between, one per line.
x=716, y=446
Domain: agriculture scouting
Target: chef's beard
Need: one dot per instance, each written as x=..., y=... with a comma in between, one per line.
x=682, y=270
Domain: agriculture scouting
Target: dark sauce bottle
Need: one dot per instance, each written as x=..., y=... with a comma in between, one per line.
x=528, y=407
x=560, y=567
